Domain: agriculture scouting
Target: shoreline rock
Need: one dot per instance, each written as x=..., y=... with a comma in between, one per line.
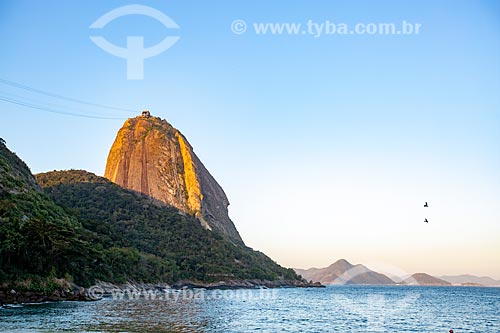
x=75, y=293
x=247, y=284
x=72, y=292
x=108, y=288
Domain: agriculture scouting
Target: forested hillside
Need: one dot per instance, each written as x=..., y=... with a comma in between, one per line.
x=147, y=240
x=83, y=227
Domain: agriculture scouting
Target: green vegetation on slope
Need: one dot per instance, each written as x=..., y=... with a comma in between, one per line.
x=84, y=228
x=37, y=237
x=145, y=240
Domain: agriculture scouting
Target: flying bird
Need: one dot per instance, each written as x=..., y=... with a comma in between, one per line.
x=426, y=205
x=426, y=221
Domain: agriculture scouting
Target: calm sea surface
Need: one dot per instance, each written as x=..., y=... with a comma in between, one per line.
x=333, y=309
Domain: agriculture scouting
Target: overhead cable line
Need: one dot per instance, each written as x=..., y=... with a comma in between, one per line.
x=74, y=100
x=33, y=106
x=50, y=105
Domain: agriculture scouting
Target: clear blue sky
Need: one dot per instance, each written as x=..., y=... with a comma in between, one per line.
x=327, y=147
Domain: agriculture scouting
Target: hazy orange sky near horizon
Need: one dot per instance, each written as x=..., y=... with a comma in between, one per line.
x=366, y=221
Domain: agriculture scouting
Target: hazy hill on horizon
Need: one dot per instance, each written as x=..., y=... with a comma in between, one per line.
x=343, y=272
x=470, y=279
x=425, y=280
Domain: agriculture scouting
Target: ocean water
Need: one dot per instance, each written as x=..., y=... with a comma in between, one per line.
x=332, y=309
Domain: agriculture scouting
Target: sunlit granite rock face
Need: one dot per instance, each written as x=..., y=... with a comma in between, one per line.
x=152, y=157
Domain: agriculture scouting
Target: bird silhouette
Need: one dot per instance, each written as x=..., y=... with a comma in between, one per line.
x=426, y=205
x=426, y=221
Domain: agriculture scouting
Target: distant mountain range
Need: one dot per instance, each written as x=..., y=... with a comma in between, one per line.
x=343, y=272
x=471, y=279
x=423, y=279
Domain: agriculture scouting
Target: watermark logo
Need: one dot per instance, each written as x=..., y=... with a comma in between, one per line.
x=135, y=52
x=138, y=292
x=329, y=27
x=238, y=27
x=377, y=309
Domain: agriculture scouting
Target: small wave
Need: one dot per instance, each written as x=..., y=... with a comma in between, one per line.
x=9, y=306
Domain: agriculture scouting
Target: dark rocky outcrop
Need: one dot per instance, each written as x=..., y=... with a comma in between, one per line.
x=152, y=157
x=65, y=292
x=256, y=283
